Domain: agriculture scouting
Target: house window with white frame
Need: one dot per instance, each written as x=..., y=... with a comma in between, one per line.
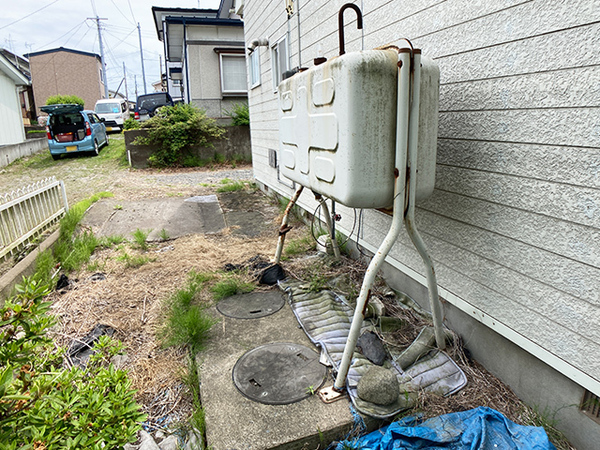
x=233, y=74
x=254, y=66
x=279, y=58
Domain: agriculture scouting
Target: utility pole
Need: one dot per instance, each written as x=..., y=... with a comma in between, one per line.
x=142, y=56
x=102, y=59
x=135, y=81
x=125, y=77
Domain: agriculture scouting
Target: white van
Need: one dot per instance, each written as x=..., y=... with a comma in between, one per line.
x=114, y=111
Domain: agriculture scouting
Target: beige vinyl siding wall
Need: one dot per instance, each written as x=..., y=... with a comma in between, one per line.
x=514, y=223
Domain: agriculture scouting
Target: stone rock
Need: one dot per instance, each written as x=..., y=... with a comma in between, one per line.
x=130, y=447
x=379, y=386
x=159, y=435
x=147, y=442
x=371, y=347
x=169, y=443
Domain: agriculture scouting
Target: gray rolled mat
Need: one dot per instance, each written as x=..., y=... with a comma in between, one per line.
x=326, y=317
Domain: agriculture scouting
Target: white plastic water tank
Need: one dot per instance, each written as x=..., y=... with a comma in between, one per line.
x=337, y=128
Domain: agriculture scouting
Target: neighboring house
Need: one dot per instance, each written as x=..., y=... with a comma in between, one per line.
x=11, y=119
x=25, y=92
x=159, y=86
x=64, y=71
x=204, y=54
x=513, y=225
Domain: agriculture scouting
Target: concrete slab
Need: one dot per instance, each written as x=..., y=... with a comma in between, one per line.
x=178, y=216
x=235, y=422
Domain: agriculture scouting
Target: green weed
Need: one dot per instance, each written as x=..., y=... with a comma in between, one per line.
x=298, y=246
x=164, y=234
x=230, y=286
x=546, y=419
x=109, y=241
x=140, y=237
x=231, y=186
x=134, y=261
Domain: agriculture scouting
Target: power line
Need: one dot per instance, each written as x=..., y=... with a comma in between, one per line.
x=126, y=18
x=131, y=11
x=28, y=15
x=71, y=30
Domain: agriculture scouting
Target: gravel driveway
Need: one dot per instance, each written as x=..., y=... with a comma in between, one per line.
x=84, y=176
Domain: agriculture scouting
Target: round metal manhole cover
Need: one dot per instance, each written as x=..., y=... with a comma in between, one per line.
x=279, y=374
x=252, y=305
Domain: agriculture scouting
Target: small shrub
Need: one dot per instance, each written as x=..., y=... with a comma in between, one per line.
x=131, y=124
x=164, y=235
x=175, y=129
x=51, y=407
x=64, y=100
x=240, y=114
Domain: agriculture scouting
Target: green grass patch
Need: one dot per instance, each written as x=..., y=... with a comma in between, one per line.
x=299, y=246
x=229, y=286
x=134, y=261
x=186, y=322
x=164, y=234
x=228, y=185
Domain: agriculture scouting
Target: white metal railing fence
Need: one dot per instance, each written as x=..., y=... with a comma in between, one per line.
x=26, y=212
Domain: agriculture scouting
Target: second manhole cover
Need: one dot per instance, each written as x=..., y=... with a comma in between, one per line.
x=279, y=374
x=252, y=305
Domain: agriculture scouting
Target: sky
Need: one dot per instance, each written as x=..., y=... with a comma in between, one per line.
x=35, y=25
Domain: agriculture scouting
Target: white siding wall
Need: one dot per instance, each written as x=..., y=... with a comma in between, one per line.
x=11, y=122
x=514, y=223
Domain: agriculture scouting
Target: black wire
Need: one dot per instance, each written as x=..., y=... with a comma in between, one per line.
x=318, y=209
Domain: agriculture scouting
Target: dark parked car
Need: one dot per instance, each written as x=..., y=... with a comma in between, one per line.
x=70, y=129
x=148, y=104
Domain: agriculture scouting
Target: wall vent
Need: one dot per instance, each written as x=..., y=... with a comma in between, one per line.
x=272, y=157
x=590, y=405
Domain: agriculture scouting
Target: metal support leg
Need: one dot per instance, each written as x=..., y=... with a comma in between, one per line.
x=409, y=219
x=284, y=225
x=330, y=229
x=404, y=74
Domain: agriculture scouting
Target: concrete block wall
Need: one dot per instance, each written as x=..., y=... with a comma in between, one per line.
x=513, y=225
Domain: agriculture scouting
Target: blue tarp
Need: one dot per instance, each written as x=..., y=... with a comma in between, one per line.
x=477, y=429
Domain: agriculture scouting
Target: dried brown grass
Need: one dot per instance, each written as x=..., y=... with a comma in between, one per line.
x=131, y=301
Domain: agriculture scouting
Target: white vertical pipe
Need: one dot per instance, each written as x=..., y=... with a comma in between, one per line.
x=434, y=301
x=402, y=116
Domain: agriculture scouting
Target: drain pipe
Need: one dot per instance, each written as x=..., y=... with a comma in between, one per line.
x=409, y=219
x=402, y=117
x=284, y=225
x=330, y=229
